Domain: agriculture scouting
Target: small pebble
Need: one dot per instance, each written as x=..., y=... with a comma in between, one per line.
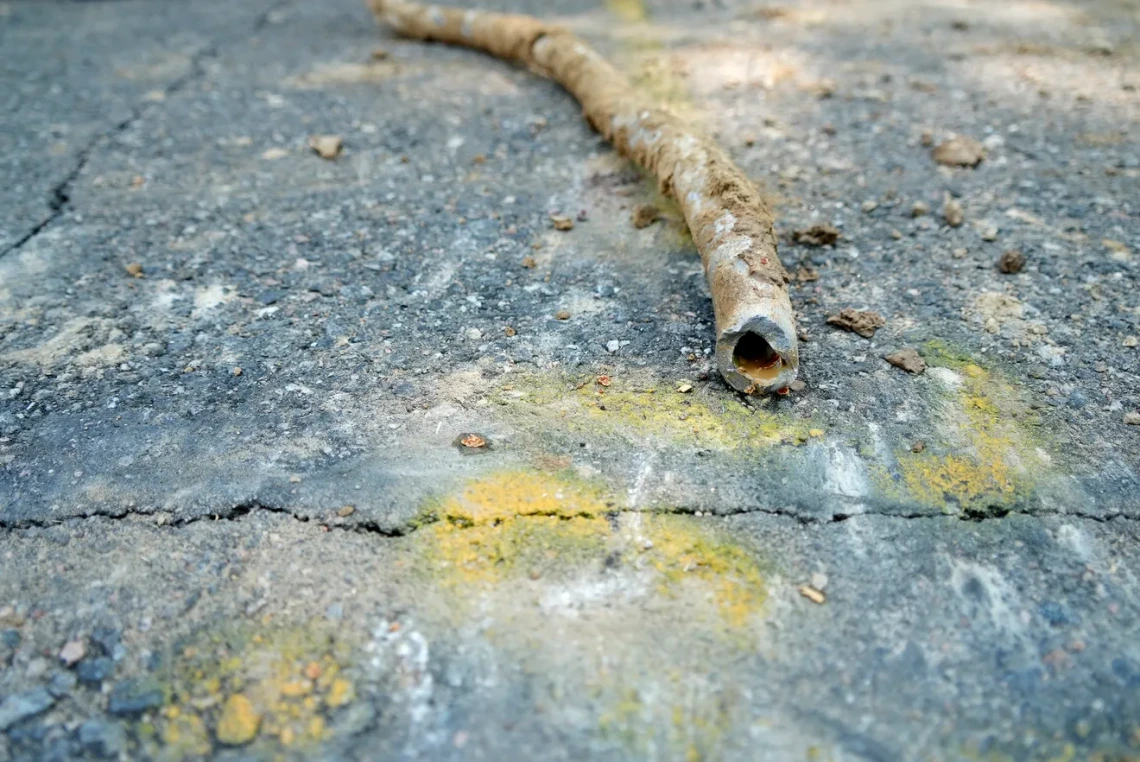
x=72, y=652
x=20, y=706
x=952, y=213
x=1011, y=261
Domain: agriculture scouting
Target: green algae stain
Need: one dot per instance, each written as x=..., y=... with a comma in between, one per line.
x=636, y=407
x=988, y=458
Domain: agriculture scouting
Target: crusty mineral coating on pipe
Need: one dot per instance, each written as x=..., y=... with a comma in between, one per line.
x=756, y=347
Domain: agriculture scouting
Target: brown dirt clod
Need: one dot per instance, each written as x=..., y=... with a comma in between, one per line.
x=952, y=212
x=864, y=323
x=816, y=235
x=908, y=359
x=959, y=152
x=1012, y=261
x=645, y=215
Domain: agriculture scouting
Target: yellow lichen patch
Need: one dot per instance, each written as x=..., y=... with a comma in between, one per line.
x=686, y=554
x=634, y=408
x=239, y=721
x=987, y=458
x=692, y=729
x=246, y=686
x=184, y=735
x=632, y=11
x=516, y=520
x=522, y=524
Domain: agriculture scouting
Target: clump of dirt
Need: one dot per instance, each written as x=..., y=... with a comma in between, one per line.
x=1012, y=261
x=645, y=215
x=959, y=152
x=864, y=323
x=816, y=235
x=908, y=359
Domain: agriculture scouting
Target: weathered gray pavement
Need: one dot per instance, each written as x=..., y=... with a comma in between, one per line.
x=235, y=521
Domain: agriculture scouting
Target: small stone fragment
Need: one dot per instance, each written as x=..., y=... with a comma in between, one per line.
x=101, y=739
x=815, y=433
x=272, y=154
x=959, y=152
x=870, y=205
x=819, y=581
x=326, y=146
x=72, y=652
x=684, y=387
x=863, y=323
x=237, y=371
x=813, y=595
x=529, y=263
x=919, y=209
x=562, y=315
x=92, y=672
x=1132, y=419
x=346, y=511
x=509, y=332
x=134, y=269
x=21, y=706
x=135, y=696
x=239, y=721
x=990, y=234
x=1130, y=341
x=908, y=359
x=562, y=222
x=918, y=446
x=645, y=215
x=816, y=235
x=472, y=440
x=1011, y=261
x=952, y=212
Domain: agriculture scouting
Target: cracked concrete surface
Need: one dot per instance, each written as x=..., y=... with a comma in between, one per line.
x=235, y=519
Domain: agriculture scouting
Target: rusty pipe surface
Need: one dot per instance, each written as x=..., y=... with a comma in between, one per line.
x=756, y=345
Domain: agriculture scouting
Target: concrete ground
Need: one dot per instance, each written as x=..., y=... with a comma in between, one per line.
x=237, y=520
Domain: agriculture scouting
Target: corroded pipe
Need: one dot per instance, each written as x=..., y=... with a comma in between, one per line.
x=756, y=347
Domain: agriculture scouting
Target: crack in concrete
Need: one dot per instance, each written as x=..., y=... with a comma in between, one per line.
x=60, y=192
x=241, y=510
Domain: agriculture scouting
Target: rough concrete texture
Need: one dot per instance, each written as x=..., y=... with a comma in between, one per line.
x=233, y=375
